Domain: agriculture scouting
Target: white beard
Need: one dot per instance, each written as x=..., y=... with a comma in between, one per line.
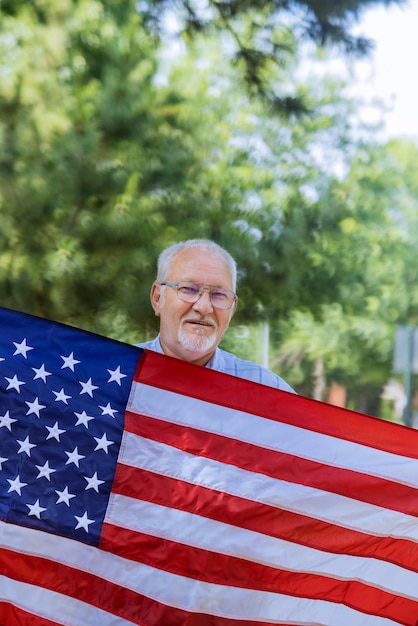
x=196, y=342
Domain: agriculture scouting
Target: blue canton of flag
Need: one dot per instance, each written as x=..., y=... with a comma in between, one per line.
x=63, y=394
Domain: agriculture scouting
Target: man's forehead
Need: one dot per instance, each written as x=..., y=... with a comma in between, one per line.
x=197, y=264
x=200, y=258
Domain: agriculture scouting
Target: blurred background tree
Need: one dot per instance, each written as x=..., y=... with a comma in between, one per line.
x=126, y=126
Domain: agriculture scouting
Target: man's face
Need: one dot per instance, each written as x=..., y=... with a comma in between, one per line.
x=192, y=331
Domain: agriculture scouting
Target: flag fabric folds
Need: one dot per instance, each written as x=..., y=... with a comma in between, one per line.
x=140, y=489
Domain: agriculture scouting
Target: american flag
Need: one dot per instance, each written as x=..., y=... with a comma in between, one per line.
x=140, y=489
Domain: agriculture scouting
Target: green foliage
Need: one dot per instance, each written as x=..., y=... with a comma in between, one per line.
x=363, y=260
x=261, y=35
x=107, y=155
x=94, y=157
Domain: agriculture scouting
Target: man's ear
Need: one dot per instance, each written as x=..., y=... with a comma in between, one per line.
x=155, y=297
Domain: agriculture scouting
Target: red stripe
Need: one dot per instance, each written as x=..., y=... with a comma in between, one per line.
x=220, y=569
x=11, y=615
x=264, y=519
x=141, y=610
x=71, y=582
x=282, y=466
x=184, y=378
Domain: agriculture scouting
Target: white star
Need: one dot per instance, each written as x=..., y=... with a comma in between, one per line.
x=88, y=387
x=107, y=410
x=83, y=522
x=14, y=383
x=54, y=432
x=16, y=485
x=40, y=372
x=21, y=348
x=34, y=407
x=69, y=361
x=74, y=457
x=6, y=420
x=2, y=460
x=25, y=446
x=116, y=375
x=93, y=482
x=83, y=418
x=35, y=509
x=45, y=470
x=64, y=496
x=61, y=396
x=103, y=443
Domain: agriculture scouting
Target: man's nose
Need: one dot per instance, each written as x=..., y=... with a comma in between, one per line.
x=203, y=303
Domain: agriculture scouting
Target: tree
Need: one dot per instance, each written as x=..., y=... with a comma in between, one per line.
x=262, y=35
x=107, y=157
x=367, y=258
x=107, y=167
x=93, y=158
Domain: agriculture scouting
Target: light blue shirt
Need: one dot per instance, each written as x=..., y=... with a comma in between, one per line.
x=228, y=363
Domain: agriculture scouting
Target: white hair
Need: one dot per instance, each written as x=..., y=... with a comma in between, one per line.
x=168, y=255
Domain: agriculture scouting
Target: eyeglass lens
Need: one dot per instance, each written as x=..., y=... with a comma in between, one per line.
x=220, y=298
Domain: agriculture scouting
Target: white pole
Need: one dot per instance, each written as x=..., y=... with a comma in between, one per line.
x=266, y=341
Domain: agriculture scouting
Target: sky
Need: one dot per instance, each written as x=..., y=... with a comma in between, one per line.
x=389, y=72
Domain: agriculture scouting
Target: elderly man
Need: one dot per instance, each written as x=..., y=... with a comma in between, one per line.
x=194, y=297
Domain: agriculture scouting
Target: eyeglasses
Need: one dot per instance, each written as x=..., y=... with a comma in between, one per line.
x=191, y=292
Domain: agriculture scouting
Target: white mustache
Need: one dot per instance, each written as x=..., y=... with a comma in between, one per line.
x=200, y=320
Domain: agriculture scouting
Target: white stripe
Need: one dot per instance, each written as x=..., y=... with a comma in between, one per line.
x=54, y=606
x=272, y=435
x=172, y=590
x=207, y=534
x=333, y=508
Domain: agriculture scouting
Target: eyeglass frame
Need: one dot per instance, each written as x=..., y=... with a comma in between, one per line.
x=202, y=288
